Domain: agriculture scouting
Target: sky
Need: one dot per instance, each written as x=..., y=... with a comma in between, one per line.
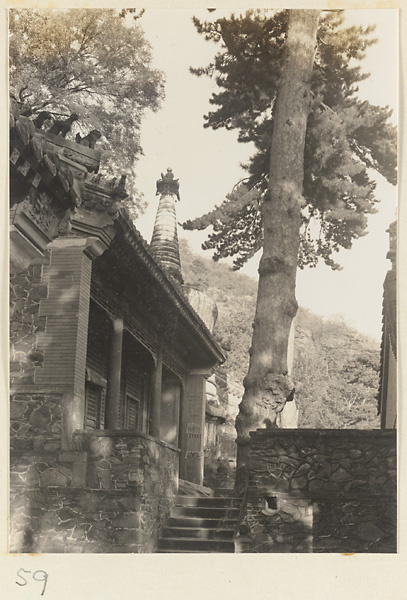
x=207, y=162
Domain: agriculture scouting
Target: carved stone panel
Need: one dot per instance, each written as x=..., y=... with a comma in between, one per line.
x=40, y=219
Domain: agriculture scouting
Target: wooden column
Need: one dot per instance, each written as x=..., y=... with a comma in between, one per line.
x=156, y=396
x=113, y=382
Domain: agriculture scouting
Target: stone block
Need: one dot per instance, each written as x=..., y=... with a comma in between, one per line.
x=119, y=468
x=328, y=544
x=123, y=486
x=286, y=517
x=19, y=501
x=99, y=534
x=66, y=514
x=52, y=545
x=105, y=482
x=79, y=532
x=340, y=475
x=390, y=512
x=31, y=477
x=355, y=453
x=51, y=446
x=128, y=536
x=17, y=409
x=40, y=418
x=92, y=479
x=55, y=477
x=48, y=521
x=38, y=443
x=39, y=292
x=299, y=483
x=128, y=521
x=369, y=531
x=129, y=503
x=17, y=542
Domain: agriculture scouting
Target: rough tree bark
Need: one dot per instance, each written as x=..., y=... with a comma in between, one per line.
x=267, y=384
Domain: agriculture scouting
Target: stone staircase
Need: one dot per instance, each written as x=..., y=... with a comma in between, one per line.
x=200, y=524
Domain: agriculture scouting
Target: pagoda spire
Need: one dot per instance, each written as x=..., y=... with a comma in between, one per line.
x=164, y=242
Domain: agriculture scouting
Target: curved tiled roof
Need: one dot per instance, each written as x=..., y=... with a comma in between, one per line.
x=34, y=159
x=46, y=159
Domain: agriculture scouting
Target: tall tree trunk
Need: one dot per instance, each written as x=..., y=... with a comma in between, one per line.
x=267, y=384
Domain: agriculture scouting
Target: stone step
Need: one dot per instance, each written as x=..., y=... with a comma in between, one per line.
x=224, y=492
x=200, y=524
x=202, y=501
x=205, y=512
x=186, y=488
x=200, y=545
x=208, y=533
x=174, y=551
x=204, y=523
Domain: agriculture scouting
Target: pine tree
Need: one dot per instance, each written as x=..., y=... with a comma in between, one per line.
x=314, y=148
x=346, y=138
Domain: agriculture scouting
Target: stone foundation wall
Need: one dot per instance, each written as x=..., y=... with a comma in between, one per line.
x=35, y=447
x=111, y=494
x=129, y=460
x=55, y=520
x=321, y=491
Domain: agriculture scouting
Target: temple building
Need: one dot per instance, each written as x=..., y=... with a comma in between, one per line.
x=114, y=389
x=388, y=358
x=109, y=359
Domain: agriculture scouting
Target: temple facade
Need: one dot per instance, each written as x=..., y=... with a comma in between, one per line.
x=109, y=359
x=113, y=405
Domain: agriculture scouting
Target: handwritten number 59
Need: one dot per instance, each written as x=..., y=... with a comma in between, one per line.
x=36, y=575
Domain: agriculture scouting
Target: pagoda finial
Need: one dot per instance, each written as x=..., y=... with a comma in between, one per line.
x=164, y=242
x=167, y=184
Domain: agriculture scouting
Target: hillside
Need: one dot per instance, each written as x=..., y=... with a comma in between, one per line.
x=336, y=369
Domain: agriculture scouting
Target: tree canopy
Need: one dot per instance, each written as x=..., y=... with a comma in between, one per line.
x=93, y=62
x=346, y=139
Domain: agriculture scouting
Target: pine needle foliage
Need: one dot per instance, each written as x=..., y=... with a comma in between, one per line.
x=348, y=140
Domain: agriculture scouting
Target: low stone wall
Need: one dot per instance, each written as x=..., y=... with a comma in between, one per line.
x=113, y=494
x=35, y=448
x=56, y=520
x=129, y=460
x=321, y=491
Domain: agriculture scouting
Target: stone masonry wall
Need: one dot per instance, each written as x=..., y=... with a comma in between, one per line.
x=35, y=447
x=130, y=482
x=26, y=291
x=35, y=421
x=84, y=521
x=129, y=460
x=321, y=491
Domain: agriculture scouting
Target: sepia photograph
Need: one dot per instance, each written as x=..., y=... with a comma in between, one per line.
x=203, y=281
